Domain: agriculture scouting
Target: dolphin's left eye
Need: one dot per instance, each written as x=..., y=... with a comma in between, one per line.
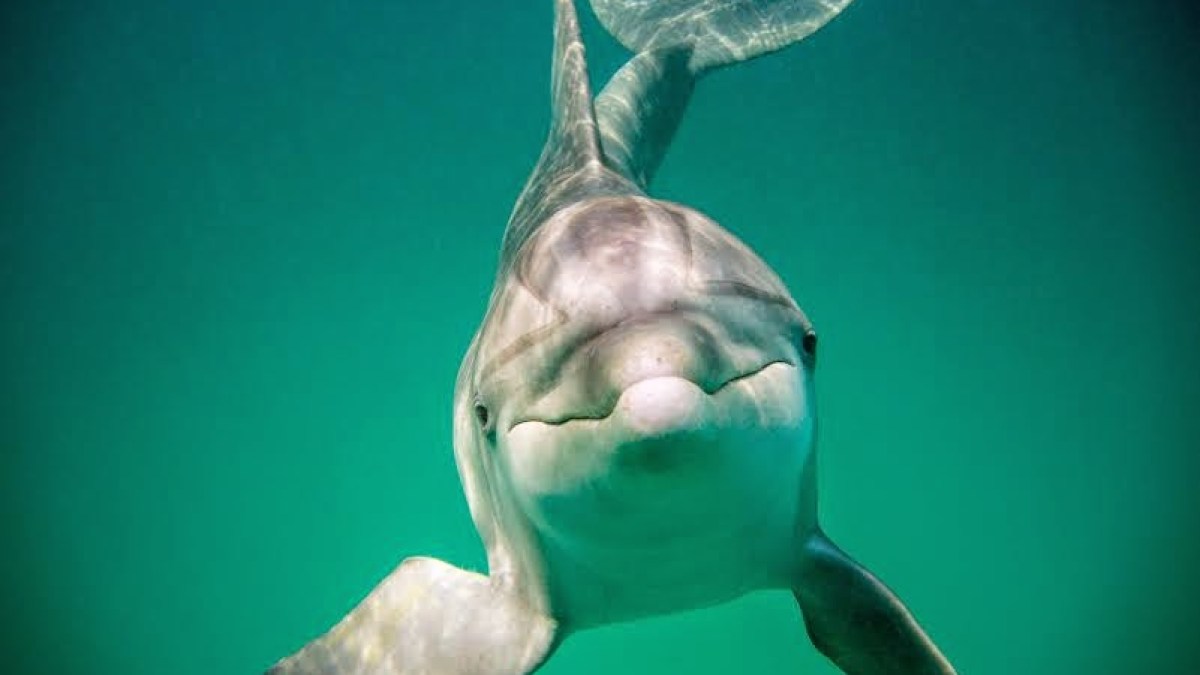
x=809, y=344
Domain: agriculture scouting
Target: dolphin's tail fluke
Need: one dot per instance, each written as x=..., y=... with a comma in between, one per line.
x=676, y=41
x=717, y=32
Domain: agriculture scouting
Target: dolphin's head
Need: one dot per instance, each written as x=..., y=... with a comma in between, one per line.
x=634, y=348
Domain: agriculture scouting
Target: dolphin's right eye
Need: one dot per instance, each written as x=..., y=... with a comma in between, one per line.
x=485, y=418
x=481, y=414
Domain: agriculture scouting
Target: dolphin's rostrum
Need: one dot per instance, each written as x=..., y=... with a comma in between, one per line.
x=634, y=421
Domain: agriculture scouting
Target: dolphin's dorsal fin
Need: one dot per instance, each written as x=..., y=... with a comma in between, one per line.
x=571, y=163
x=573, y=123
x=676, y=41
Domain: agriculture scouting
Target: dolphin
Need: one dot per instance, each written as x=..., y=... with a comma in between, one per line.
x=634, y=421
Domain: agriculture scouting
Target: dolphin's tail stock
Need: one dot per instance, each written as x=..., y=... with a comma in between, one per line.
x=675, y=42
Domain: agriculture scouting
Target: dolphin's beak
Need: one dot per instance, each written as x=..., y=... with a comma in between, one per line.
x=660, y=424
x=686, y=347
x=659, y=401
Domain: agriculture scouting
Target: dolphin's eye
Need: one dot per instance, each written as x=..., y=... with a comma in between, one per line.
x=809, y=344
x=481, y=414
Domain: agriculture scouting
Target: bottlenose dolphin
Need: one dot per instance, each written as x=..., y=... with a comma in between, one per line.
x=634, y=421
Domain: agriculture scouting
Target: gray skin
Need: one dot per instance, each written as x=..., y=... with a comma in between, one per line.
x=634, y=422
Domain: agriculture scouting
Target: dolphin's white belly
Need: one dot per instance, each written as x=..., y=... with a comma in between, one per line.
x=677, y=499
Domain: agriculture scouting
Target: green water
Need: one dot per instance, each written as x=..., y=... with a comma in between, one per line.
x=244, y=247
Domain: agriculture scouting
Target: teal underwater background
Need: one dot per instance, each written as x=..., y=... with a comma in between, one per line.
x=246, y=243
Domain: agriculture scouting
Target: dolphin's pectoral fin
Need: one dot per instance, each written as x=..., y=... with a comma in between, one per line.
x=856, y=621
x=429, y=617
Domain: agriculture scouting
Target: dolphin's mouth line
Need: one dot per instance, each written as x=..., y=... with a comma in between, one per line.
x=558, y=422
